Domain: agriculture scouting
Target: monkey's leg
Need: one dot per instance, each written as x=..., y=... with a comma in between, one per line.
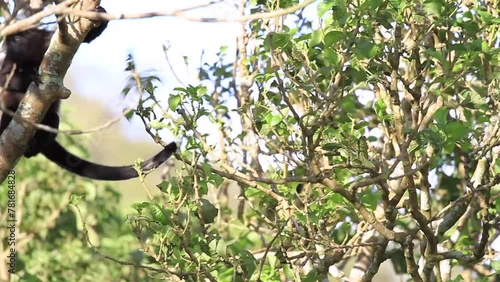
x=42, y=138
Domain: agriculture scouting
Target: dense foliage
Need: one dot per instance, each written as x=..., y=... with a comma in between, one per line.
x=365, y=132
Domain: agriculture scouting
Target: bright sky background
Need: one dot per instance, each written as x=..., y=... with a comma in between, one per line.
x=102, y=63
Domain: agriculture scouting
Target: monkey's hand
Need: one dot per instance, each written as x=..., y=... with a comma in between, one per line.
x=95, y=32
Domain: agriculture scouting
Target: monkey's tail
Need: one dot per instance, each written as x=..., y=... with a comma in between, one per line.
x=59, y=155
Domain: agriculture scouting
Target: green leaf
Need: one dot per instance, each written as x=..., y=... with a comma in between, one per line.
x=335, y=200
x=248, y=263
x=222, y=248
x=278, y=40
x=208, y=211
x=333, y=37
x=370, y=200
x=273, y=261
x=332, y=57
x=441, y=116
x=456, y=130
x=156, y=124
x=365, y=49
x=316, y=38
x=485, y=16
x=434, y=7
x=174, y=102
x=202, y=90
x=207, y=169
x=497, y=200
x=458, y=278
x=275, y=120
x=395, y=3
x=313, y=276
x=380, y=109
x=472, y=97
x=324, y=7
x=216, y=179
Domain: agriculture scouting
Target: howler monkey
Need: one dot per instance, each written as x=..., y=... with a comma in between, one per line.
x=25, y=51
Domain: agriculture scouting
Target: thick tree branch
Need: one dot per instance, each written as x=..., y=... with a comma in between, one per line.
x=63, y=46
